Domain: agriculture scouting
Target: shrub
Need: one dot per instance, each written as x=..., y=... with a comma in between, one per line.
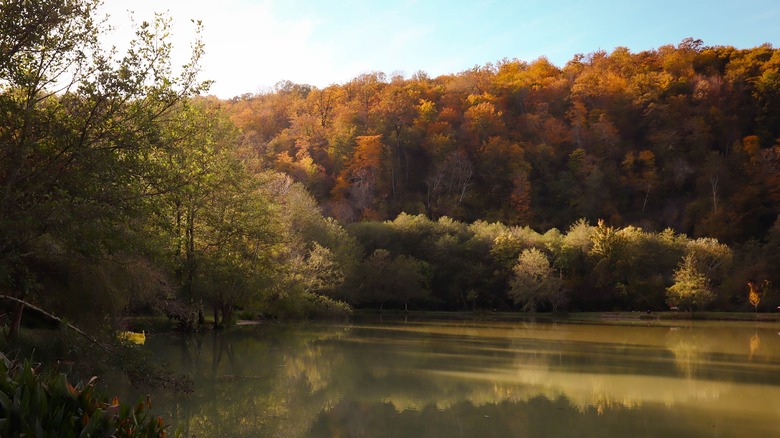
x=34, y=402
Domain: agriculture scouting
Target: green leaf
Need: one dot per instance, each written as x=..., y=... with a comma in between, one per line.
x=94, y=423
x=5, y=401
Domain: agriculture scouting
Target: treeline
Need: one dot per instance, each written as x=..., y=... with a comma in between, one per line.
x=416, y=263
x=682, y=137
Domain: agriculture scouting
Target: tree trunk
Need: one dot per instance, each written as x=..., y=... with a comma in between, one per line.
x=227, y=315
x=201, y=318
x=216, y=317
x=714, y=187
x=647, y=196
x=189, y=251
x=16, y=321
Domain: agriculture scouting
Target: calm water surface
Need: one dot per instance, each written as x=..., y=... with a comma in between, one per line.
x=419, y=378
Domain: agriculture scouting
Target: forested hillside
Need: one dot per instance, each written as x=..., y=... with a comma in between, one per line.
x=682, y=136
x=619, y=181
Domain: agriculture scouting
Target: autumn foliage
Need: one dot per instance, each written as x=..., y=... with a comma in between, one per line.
x=682, y=136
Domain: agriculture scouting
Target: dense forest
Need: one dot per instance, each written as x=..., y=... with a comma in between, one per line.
x=618, y=181
x=682, y=137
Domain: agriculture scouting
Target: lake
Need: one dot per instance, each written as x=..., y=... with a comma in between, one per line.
x=451, y=378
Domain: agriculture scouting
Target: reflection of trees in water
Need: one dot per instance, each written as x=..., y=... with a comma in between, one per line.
x=274, y=384
x=630, y=369
x=691, y=349
x=755, y=344
x=513, y=364
x=535, y=417
x=584, y=391
x=279, y=381
x=306, y=365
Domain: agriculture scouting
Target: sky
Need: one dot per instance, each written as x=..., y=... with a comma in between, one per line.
x=253, y=44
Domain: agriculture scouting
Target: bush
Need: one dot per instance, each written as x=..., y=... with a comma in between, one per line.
x=322, y=307
x=39, y=403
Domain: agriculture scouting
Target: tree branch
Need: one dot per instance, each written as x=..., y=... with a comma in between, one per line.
x=55, y=318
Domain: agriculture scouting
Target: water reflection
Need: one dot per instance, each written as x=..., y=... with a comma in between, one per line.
x=755, y=344
x=446, y=378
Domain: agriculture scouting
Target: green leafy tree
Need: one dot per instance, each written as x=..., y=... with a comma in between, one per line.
x=536, y=283
x=319, y=271
x=318, y=255
x=691, y=288
x=213, y=218
x=239, y=248
x=397, y=280
x=77, y=127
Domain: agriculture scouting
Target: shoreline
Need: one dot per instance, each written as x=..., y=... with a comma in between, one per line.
x=161, y=325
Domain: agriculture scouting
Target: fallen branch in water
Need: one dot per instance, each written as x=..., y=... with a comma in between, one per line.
x=58, y=319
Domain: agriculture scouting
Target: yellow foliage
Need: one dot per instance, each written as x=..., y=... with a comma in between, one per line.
x=753, y=295
x=135, y=338
x=368, y=152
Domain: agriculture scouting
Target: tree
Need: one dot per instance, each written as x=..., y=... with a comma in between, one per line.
x=753, y=296
x=215, y=221
x=691, y=288
x=503, y=175
x=313, y=258
x=640, y=173
x=77, y=127
x=360, y=181
x=397, y=112
x=320, y=272
x=238, y=247
x=756, y=293
x=536, y=283
x=608, y=250
x=713, y=258
x=448, y=183
x=387, y=279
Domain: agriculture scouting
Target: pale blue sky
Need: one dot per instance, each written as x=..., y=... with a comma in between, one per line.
x=252, y=44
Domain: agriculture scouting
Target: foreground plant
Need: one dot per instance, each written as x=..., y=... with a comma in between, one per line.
x=34, y=402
